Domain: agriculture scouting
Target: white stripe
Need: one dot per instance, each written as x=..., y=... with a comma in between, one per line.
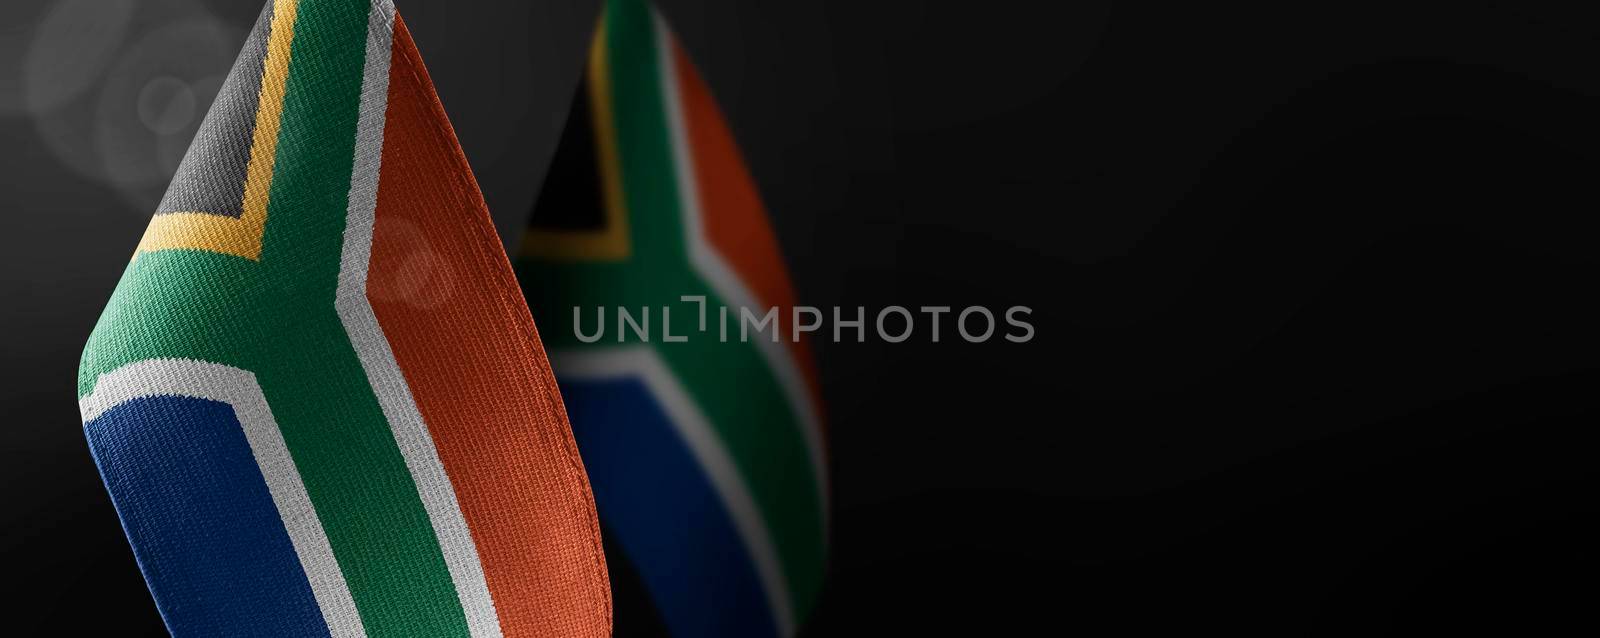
x=238, y=388
x=725, y=280
x=372, y=346
x=643, y=363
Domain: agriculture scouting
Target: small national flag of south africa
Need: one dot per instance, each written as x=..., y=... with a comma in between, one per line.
x=317, y=397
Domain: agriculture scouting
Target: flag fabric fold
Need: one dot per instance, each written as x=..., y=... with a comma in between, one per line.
x=316, y=397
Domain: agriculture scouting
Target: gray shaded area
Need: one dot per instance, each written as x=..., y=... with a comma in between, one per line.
x=211, y=177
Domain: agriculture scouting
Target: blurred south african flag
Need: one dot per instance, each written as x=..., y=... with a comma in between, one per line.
x=706, y=454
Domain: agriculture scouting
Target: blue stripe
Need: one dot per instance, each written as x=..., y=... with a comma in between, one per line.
x=201, y=521
x=662, y=510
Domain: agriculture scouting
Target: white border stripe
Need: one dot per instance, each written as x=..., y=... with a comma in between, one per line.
x=372, y=346
x=642, y=362
x=724, y=279
x=238, y=388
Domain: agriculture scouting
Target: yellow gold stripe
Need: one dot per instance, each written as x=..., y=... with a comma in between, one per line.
x=611, y=242
x=240, y=236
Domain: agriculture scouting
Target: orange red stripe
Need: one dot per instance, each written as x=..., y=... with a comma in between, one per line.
x=437, y=287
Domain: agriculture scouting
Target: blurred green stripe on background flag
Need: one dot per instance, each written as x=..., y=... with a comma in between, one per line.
x=706, y=455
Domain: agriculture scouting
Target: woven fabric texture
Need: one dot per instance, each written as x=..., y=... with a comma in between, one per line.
x=317, y=397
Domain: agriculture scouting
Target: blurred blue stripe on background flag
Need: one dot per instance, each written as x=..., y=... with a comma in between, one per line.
x=706, y=455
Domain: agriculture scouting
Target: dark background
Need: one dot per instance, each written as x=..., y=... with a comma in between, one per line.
x=1312, y=284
